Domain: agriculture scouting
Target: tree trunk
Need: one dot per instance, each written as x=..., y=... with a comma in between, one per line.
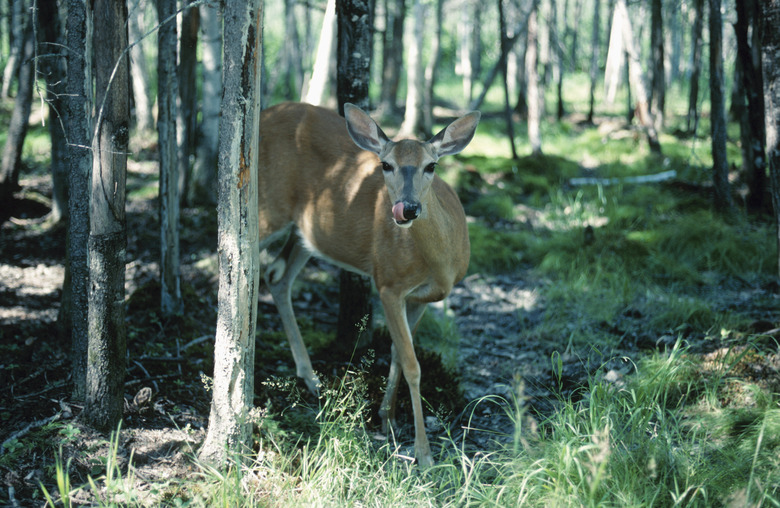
x=353, y=78
x=748, y=32
x=318, y=84
x=432, y=66
x=187, y=111
x=204, y=171
x=594, y=59
x=504, y=57
x=54, y=70
x=16, y=38
x=392, y=54
x=692, y=121
x=230, y=425
x=658, y=88
x=413, y=116
x=770, y=49
x=557, y=58
x=78, y=100
x=12, y=154
x=466, y=26
x=534, y=96
x=136, y=27
x=108, y=230
x=720, y=167
x=636, y=75
x=167, y=87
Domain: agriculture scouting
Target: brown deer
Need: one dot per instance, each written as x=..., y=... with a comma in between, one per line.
x=374, y=206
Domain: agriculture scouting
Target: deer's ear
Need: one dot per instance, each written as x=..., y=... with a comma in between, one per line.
x=363, y=130
x=454, y=138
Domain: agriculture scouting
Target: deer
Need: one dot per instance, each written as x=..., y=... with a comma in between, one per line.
x=343, y=191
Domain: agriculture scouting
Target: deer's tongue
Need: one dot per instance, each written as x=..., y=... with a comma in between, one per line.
x=398, y=212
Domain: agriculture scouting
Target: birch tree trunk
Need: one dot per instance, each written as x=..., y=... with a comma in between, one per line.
x=720, y=166
x=16, y=18
x=534, y=96
x=78, y=100
x=230, y=426
x=187, y=109
x=108, y=230
x=204, y=171
x=167, y=88
x=770, y=50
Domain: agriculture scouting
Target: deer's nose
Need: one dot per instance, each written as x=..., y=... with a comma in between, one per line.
x=411, y=210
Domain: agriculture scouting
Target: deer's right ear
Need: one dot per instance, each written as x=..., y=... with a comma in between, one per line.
x=363, y=130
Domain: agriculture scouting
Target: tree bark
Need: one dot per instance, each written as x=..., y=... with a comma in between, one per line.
x=503, y=36
x=108, y=230
x=16, y=39
x=204, y=171
x=78, y=101
x=720, y=168
x=413, y=115
x=770, y=50
x=167, y=88
x=17, y=130
x=353, y=78
x=230, y=426
x=432, y=67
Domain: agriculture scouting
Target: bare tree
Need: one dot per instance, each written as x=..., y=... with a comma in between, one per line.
x=230, y=427
x=720, y=166
x=167, y=88
x=770, y=50
x=108, y=230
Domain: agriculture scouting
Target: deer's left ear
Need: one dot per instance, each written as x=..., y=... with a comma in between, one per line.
x=363, y=130
x=457, y=135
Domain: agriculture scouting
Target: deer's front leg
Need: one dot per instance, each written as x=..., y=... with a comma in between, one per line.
x=279, y=276
x=396, y=318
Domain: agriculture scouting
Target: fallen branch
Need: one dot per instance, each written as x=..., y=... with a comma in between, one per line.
x=27, y=429
x=658, y=177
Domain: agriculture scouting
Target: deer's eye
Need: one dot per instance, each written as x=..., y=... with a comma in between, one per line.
x=386, y=166
x=430, y=167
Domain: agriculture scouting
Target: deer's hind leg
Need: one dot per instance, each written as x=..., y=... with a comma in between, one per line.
x=279, y=276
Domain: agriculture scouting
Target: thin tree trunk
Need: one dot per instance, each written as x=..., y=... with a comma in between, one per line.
x=230, y=425
x=167, y=88
x=534, y=96
x=318, y=84
x=204, y=171
x=432, y=66
x=770, y=48
x=54, y=70
x=353, y=77
x=748, y=32
x=136, y=27
x=12, y=154
x=504, y=56
x=692, y=121
x=187, y=110
x=413, y=116
x=78, y=101
x=108, y=230
x=557, y=56
x=392, y=54
x=594, y=59
x=16, y=39
x=466, y=26
x=720, y=168
x=658, y=88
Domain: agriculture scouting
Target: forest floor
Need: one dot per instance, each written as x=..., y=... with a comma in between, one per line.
x=473, y=390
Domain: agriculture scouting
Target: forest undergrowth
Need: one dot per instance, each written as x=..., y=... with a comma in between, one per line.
x=614, y=344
